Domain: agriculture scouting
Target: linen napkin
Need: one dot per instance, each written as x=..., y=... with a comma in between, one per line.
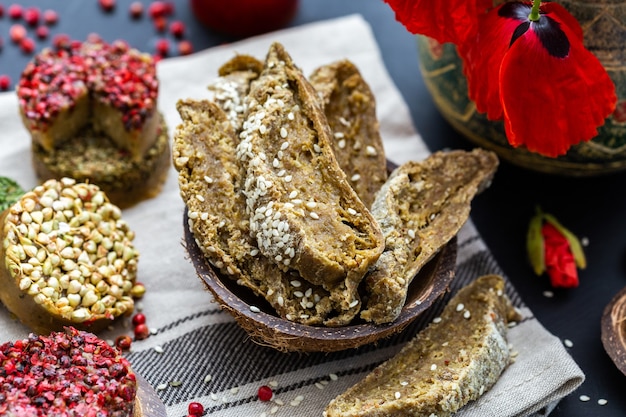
x=198, y=353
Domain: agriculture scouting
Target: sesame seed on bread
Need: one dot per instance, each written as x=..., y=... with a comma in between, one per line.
x=453, y=361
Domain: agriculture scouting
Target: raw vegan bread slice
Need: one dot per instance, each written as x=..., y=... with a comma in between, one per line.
x=420, y=208
x=210, y=179
x=303, y=211
x=448, y=364
x=231, y=86
x=350, y=108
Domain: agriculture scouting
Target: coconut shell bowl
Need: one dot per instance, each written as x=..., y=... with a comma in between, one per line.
x=268, y=329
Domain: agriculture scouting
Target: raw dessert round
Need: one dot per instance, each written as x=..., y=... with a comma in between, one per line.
x=68, y=373
x=112, y=87
x=94, y=158
x=67, y=258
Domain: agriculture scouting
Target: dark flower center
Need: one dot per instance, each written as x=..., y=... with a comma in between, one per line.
x=548, y=30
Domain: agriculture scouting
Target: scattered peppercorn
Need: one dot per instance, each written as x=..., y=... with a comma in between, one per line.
x=138, y=318
x=17, y=33
x=265, y=393
x=61, y=41
x=160, y=23
x=1, y=10
x=141, y=331
x=107, y=5
x=42, y=32
x=160, y=9
x=185, y=48
x=15, y=11
x=136, y=9
x=177, y=29
x=5, y=82
x=123, y=342
x=50, y=17
x=162, y=47
x=31, y=16
x=195, y=409
x=27, y=45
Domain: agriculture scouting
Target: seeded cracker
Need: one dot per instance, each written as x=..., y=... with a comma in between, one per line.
x=350, y=108
x=210, y=181
x=420, y=208
x=293, y=177
x=67, y=258
x=451, y=362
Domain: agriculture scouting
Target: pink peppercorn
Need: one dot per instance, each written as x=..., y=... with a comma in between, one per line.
x=185, y=48
x=195, y=409
x=162, y=47
x=15, y=11
x=17, y=33
x=160, y=23
x=61, y=41
x=107, y=5
x=50, y=17
x=31, y=16
x=123, y=342
x=265, y=393
x=136, y=9
x=1, y=10
x=139, y=318
x=160, y=9
x=27, y=45
x=5, y=82
x=141, y=331
x=177, y=29
x=42, y=32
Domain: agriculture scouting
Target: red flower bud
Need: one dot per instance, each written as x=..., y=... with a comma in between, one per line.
x=555, y=250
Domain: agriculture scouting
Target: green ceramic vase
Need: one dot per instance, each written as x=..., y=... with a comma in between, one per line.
x=604, y=26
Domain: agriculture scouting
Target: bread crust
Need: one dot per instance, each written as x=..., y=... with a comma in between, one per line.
x=448, y=364
x=350, y=108
x=420, y=208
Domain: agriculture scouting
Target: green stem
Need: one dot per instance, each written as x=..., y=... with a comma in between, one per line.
x=534, y=13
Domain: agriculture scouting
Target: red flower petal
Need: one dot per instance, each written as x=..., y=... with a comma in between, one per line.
x=446, y=21
x=560, y=264
x=482, y=57
x=553, y=103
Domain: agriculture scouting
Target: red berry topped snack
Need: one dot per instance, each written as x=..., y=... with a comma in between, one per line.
x=111, y=86
x=67, y=258
x=91, y=109
x=68, y=373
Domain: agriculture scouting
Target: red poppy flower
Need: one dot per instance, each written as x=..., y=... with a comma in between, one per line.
x=445, y=21
x=537, y=75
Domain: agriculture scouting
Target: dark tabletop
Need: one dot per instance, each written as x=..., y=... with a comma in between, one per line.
x=593, y=208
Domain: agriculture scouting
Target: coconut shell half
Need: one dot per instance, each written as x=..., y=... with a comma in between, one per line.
x=614, y=330
x=147, y=402
x=267, y=328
